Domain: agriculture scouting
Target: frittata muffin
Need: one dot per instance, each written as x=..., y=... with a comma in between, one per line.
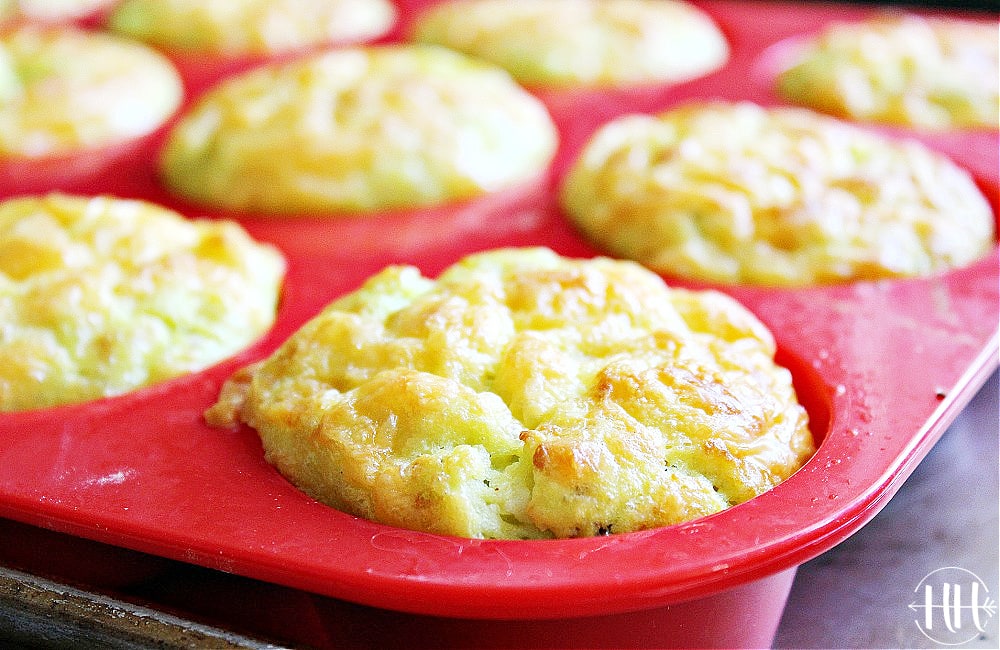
x=736, y=193
x=928, y=73
x=99, y=296
x=51, y=11
x=580, y=42
x=359, y=130
x=522, y=395
x=65, y=91
x=251, y=27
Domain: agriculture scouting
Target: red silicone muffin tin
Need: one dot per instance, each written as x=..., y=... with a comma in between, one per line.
x=882, y=367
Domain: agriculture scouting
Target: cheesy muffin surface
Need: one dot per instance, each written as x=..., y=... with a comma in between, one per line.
x=251, y=27
x=580, y=42
x=99, y=296
x=358, y=130
x=522, y=395
x=932, y=73
x=64, y=90
x=736, y=193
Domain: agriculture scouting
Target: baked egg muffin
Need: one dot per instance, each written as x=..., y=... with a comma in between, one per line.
x=580, y=42
x=99, y=296
x=251, y=27
x=737, y=193
x=931, y=73
x=51, y=10
x=358, y=130
x=525, y=395
x=65, y=90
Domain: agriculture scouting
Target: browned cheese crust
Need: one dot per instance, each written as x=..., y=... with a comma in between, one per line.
x=523, y=395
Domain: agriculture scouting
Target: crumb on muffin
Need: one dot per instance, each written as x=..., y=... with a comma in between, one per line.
x=580, y=42
x=356, y=130
x=737, y=193
x=251, y=27
x=64, y=90
x=523, y=395
x=99, y=296
x=933, y=73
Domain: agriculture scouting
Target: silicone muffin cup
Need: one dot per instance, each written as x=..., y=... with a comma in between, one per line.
x=22, y=175
x=882, y=367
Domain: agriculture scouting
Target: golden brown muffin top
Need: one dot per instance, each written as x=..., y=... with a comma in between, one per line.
x=580, y=42
x=63, y=90
x=522, y=394
x=359, y=130
x=251, y=27
x=932, y=73
x=99, y=296
x=738, y=193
